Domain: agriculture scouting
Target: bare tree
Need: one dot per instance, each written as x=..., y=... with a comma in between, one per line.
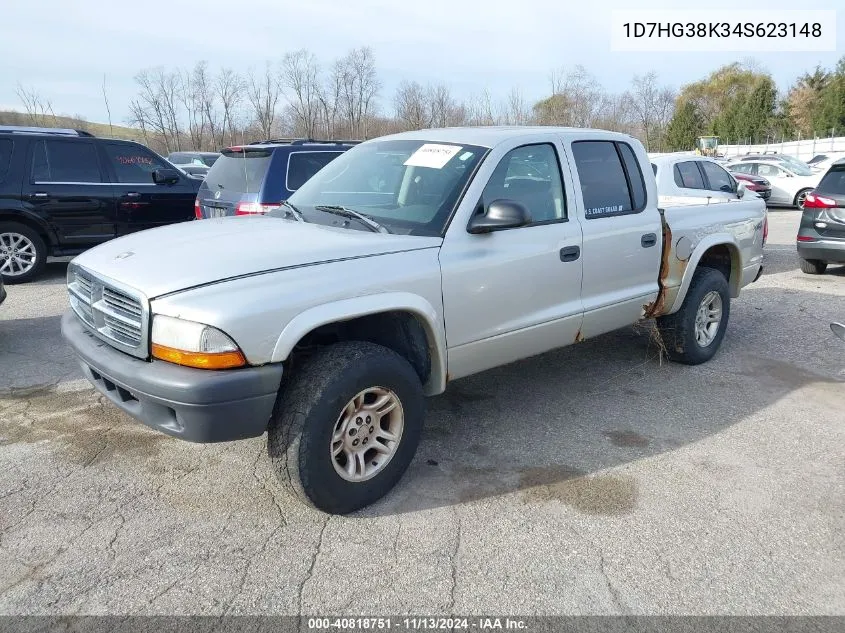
x=300, y=75
x=263, y=93
x=192, y=104
x=206, y=100
x=108, y=109
x=230, y=88
x=444, y=110
x=516, y=110
x=358, y=89
x=155, y=106
x=413, y=107
x=39, y=110
x=328, y=98
x=652, y=107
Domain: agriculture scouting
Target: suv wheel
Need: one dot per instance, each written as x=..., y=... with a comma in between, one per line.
x=347, y=426
x=693, y=334
x=23, y=253
x=812, y=266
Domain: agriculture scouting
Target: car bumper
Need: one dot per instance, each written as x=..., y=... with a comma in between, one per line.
x=196, y=405
x=823, y=250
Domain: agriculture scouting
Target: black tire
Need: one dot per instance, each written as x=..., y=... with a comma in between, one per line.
x=300, y=433
x=812, y=266
x=678, y=330
x=38, y=245
x=799, y=198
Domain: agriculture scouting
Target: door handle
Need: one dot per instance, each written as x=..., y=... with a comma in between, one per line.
x=569, y=253
x=133, y=194
x=38, y=194
x=648, y=240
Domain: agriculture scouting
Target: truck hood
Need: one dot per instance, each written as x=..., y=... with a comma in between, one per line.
x=181, y=256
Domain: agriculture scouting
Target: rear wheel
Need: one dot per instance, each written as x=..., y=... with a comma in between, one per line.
x=812, y=266
x=347, y=426
x=693, y=334
x=801, y=197
x=23, y=253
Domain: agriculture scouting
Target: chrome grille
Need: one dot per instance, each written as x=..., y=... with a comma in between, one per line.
x=115, y=314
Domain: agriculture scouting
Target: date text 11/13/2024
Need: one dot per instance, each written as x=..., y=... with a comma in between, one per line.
x=416, y=623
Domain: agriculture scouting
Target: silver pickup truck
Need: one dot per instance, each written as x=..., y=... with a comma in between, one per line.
x=410, y=261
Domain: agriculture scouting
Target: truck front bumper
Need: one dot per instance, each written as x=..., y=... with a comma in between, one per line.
x=196, y=405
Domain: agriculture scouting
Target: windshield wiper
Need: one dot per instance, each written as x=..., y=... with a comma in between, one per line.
x=292, y=210
x=351, y=213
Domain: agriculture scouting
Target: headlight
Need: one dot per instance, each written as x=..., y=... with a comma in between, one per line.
x=193, y=344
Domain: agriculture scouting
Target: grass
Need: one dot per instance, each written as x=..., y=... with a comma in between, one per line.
x=97, y=129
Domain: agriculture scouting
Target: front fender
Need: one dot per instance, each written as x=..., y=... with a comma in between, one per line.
x=683, y=270
x=347, y=309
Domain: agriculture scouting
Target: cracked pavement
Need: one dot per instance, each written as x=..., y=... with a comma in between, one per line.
x=591, y=480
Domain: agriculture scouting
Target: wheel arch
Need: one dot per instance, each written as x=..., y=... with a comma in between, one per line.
x=718, y=251
x=404, y=322
x=32, y=221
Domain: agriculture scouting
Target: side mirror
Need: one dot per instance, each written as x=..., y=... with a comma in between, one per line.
x=838, y=329
x=500, y=214
x=741, y=188
x=165, y=176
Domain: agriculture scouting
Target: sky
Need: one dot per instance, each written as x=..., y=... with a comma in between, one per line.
x=64, y=49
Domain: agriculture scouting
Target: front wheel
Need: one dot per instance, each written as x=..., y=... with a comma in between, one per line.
x=23, y=253
x=693, y=334
x=347, y=426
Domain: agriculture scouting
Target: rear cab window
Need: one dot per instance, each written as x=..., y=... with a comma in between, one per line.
x=611, y=181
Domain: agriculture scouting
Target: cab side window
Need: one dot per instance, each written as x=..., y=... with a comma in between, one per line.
x=132, y=164
x=768, y=171
x=530, y=175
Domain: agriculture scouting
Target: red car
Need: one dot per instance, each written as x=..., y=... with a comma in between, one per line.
x=759, y=185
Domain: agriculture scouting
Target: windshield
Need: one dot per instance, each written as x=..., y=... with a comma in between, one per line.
x=408, y=186
x=798, y=166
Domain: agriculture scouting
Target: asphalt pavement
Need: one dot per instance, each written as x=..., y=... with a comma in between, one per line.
x=591, y=480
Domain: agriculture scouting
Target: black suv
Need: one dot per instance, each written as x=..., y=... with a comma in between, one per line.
x=821, y=235
x=257, y=178
x=62, y=191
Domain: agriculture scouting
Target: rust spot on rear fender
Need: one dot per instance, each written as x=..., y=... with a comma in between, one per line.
x=657, y=306
x=579, y=338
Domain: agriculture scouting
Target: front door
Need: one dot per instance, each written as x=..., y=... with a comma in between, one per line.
x=515, y=293
x=141, y=203
x=66, y=187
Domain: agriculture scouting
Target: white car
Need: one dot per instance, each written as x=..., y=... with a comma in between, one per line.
x=689, y=179
x=790, y=183
x=821, y=162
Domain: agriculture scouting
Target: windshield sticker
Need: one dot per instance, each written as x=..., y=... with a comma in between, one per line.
x=465, y=156
x=432, y=155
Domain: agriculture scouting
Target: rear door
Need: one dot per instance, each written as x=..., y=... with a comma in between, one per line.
x=236, y=177
x=66, y=185
x=622, y=232
x=141, y=203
